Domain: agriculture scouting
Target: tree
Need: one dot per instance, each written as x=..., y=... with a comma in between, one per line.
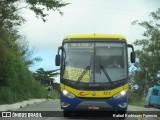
x=16, y=81
x=10, y=20
x=148, y=65
x=27, y=53
x=39, y=6
x=46, y=77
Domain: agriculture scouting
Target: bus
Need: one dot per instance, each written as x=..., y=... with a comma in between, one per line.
x=153, y=97
x=94, y=72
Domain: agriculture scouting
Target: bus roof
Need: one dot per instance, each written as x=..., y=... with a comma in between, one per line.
x=157, y=87
x=68, y=37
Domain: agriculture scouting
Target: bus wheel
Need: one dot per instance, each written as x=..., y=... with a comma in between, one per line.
x=66, y=113
x=147, y=105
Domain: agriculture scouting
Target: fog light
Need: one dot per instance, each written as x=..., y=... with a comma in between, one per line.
x=64, y=104
x=123, y=105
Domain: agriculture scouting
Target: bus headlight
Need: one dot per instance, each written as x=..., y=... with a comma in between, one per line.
x=120, y=94
x=66, y=93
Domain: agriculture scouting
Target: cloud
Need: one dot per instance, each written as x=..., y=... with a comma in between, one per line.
x=85, y=16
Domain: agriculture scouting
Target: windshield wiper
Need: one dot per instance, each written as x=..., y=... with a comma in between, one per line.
x=83, y=73
x=106, y=74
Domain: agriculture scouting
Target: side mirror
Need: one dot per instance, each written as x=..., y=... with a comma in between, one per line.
x=133, y=57
x=57, y=60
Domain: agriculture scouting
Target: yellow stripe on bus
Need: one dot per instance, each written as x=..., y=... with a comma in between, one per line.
x=94, y=93
x=94, y=36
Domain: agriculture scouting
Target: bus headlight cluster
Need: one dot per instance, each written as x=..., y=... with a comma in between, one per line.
x=66, y=93
x=120, y=94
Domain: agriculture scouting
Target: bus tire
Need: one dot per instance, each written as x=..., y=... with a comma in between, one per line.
x=66, y=113
x=147, y=105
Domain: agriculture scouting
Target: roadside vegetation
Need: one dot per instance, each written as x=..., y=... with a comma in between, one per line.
x=145, y=72
x=134, y=99
x=56, y=91
x=137, y=103
x=47, y=77
x=16, y=81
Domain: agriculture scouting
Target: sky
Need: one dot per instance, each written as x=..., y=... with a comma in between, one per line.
x=84, y=16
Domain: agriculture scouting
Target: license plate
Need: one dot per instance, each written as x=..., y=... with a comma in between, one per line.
x=93, y=108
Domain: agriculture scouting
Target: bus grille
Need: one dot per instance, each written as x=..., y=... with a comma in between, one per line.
x=86, y=104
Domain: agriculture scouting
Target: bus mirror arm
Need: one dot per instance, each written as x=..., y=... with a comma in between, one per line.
x=57, y=60
x=133, y=55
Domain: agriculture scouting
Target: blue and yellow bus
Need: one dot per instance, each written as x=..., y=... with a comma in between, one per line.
x=94, y=72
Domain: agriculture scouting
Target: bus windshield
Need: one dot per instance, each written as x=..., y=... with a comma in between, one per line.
x=94, y=62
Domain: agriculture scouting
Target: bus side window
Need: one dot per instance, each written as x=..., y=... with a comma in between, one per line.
x=155, y=92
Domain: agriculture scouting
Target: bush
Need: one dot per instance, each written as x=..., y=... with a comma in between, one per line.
x=17, y=82
x=133, y=96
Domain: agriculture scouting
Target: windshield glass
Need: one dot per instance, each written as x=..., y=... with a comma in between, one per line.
x=95, y=62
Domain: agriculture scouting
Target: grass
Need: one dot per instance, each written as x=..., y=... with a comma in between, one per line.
x=55, y=94
x=137, y=103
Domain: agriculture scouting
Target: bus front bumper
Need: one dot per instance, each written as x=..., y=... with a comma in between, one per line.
x=110, y=104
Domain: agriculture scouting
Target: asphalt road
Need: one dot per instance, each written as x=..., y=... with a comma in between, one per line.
x=52, y=108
